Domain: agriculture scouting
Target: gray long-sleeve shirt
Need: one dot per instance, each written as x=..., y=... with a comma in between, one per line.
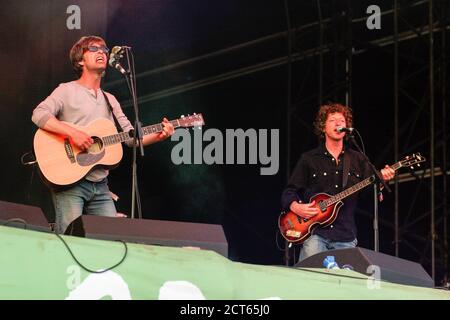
x=74, y=103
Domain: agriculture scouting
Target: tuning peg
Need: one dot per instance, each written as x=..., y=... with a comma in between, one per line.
x=195, y=114
x=182, y=116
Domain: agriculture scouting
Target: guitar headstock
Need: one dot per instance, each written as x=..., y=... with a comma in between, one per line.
x=195, y=120
x=413, y=160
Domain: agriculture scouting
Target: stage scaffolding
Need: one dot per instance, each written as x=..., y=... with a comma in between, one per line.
x=419, y=62
x=320, y=50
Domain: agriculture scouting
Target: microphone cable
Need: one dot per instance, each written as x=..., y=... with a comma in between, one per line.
x=361, y=140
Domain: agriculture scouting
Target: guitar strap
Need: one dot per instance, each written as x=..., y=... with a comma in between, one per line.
x=118, y=127
x=346, y=170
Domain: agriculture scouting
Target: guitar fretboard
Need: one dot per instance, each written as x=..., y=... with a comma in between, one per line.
x=360, y=185
x=124, y=136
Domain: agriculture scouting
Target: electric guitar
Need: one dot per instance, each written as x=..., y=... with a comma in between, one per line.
x=297, y=229
x=62, y=163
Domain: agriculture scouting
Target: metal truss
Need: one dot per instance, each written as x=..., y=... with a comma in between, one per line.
x=420, y=80
x=324, y=49
x=427, y=69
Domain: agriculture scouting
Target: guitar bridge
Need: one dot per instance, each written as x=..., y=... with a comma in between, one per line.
x=69, y=150
x=293, y=233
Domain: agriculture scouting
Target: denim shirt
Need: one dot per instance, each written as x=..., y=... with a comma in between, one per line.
x=317, y=172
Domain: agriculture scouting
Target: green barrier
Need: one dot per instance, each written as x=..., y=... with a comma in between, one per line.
x=37, y=265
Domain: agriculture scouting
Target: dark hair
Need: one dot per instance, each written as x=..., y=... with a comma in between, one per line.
x=325, y=110
x=79, y=48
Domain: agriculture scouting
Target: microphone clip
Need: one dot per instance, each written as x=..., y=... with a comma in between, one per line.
x=115, y=56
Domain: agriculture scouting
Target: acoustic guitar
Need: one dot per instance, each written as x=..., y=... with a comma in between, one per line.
x=62, y=163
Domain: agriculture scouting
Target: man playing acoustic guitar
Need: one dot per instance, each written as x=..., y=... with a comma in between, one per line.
x=321, y=171
x=80, y=102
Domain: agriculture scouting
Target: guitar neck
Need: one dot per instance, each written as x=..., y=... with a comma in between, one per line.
x=349, y=191
x=124, y=136
x=156, y=128
x=355, y=188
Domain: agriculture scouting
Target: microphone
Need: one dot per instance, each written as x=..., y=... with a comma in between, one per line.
x=114, y=57
x=344, y=129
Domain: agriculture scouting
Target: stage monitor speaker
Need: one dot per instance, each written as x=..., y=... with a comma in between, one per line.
x=155, y=232
x=23, y=216
x=392, y=269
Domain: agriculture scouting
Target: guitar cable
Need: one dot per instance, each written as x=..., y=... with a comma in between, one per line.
x=86, y=268
x=25, y=225
x=33, y=162
x=28, y=163
x=291, y=245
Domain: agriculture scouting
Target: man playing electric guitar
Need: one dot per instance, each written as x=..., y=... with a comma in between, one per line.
x=81, y=102
x=321, y=171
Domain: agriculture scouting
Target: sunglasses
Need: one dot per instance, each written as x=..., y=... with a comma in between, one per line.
x=95, y=49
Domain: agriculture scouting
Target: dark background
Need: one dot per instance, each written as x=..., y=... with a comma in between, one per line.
x=34, y=54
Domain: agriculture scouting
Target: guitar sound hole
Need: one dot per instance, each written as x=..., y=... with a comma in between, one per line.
x=97, y=146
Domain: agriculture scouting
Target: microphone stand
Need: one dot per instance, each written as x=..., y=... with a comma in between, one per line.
x=130, y=77
x=378, y=178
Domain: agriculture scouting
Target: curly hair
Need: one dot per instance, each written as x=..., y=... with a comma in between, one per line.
x=325, y=110
x=79, y=48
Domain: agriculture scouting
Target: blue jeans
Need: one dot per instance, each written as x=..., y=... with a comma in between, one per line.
x=316, y=244
x=85, y=197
